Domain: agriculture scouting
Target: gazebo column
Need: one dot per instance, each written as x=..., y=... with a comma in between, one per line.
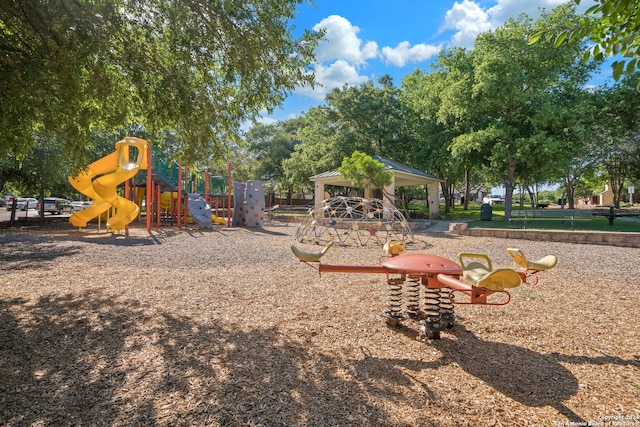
x=389, y=193
x=319, y=193
x=368, y=192
x=434, y=200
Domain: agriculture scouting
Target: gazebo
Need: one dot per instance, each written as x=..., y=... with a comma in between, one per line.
x=403, y=176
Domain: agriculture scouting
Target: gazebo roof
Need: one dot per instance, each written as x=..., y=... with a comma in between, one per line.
x=403, y=175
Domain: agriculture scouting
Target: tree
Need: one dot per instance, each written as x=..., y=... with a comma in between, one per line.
x=612, y=27
x=363, y=171
x=432, y=104
x=511, y=81
x=44, y=170
x=369, y=118
x=317, y=152
x=366, y=118
x=618, y=133
x=199, y=68
x=562, y=146
x=269, y=145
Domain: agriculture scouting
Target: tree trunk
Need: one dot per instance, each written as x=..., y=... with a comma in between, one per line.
x=570, y=195
x=467, y=190
x=509, y=184
x=446, y=191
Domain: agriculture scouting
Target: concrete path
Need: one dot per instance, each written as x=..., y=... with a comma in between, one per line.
x=437, y=226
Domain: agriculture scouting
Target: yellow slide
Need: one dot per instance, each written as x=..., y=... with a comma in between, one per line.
x=217, y=219
x=167, y=198
x=100, y=182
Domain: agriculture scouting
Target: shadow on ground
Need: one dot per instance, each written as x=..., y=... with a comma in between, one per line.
x=91, y=360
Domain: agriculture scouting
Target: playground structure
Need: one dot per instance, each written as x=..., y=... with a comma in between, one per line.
x=102, y=177
x=167, y=193
x=445, y=283
x=353, y=221
x=529, y=270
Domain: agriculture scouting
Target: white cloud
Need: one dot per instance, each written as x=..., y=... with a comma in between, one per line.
x=334, y=75
x=468, y=19
x=265, y=120
x=339, y=57
x=505, y=9
x=342, y=55
x=404, y=54
x=341, y=42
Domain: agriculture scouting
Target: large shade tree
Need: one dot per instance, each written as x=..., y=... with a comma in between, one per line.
x=200, y=68
x=432, y=104
x=561, y=148
x=511, y=89
x=318, y=150
x=618, y=133
x=369, y=119
x=269, y=145
x=366, y=118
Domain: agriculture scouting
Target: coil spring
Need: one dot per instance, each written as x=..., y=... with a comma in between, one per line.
x=394, y=298
x=413, y=297
x=446, y=309
x=432, y=304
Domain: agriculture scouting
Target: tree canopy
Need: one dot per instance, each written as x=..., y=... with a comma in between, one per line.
x=199, y=68
x=363, y=171
x=612, y=27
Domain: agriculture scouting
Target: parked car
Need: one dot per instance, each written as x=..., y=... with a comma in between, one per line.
x=493, y=199
x=24, y=203
x=78, y=205
x=57, y=205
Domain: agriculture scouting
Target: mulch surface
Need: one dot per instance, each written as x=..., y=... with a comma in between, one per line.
x=225, y=327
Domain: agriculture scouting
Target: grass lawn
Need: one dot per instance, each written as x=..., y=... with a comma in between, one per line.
x=585, y=223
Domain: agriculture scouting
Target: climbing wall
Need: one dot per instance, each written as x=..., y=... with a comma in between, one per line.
x=254, y=204
x=238, y=204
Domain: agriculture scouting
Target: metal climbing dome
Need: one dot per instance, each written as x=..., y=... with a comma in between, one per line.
x=353, y=221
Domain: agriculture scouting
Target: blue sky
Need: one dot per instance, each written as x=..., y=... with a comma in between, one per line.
x=366, y=39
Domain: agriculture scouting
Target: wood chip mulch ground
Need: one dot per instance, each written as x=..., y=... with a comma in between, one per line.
x=224, y=327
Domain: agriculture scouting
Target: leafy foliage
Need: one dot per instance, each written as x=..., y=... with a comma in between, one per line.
x=269, y=145
x=367, y=118
x=363, y=171
x=612, y=27
x=318, y=150
x=434, y=106
x=199, y=68
x=618, y=133
x=516, y=90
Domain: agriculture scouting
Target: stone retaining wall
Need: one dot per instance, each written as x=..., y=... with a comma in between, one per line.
x=631, y=240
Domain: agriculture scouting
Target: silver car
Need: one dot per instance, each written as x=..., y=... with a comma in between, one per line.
x=493, y=199
x=79, y=205
x=23, y=203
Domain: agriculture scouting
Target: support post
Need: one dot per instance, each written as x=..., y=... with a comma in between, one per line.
x=127, y=195
x=229, y=187
x=149, y=185
x=179, y=201
x=158, y=206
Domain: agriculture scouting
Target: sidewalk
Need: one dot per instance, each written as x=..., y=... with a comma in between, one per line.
x=436, y=226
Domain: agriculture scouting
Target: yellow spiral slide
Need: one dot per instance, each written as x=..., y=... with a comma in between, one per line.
x=101, y=179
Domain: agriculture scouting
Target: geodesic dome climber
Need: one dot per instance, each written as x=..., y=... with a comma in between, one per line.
x=353, y=221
